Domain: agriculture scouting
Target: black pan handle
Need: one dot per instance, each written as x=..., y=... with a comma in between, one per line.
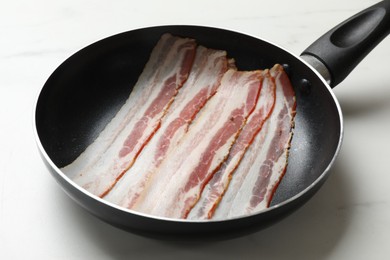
x=342, y=48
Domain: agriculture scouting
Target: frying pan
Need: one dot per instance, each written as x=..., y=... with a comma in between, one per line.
x=83, y=94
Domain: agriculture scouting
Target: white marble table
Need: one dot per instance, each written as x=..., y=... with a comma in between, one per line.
x=349, y=218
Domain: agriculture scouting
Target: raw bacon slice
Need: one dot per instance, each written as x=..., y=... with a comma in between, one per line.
x=126, y=135
x=216, y=187
x=205, y=77
x=139, y=95
x=264, y=164
x=177, y=184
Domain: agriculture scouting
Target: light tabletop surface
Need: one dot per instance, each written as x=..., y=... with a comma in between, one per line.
x=349, y=218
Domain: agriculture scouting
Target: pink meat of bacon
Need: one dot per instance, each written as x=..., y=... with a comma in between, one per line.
x=177, y=184
x=263, y=166
x=205, y=77
x=104, y=162
x=216, y=187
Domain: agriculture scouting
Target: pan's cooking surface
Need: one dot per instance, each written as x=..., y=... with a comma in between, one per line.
x=85, y=92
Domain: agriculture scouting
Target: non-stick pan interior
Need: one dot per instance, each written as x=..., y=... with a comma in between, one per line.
x=85, y=92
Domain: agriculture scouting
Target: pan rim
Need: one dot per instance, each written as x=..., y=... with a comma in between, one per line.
x=187, y=221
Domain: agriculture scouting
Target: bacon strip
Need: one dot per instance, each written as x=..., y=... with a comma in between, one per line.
x=264, y=164
x=205, y=77
x=177, y=184
x=126, y=135
x=216, y=187
x=139, y=95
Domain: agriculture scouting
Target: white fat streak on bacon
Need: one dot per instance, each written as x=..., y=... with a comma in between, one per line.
x=177, y=184
x=265, y=162
x=205, y=77
x=216, y=187
x=109, y=163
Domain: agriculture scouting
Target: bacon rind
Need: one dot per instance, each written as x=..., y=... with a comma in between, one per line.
x=126, y=135
x=264, y=164
x=205, y=77
x=216, y=187
x=177, y=184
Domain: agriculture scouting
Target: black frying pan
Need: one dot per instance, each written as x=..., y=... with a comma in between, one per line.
x=84, y=93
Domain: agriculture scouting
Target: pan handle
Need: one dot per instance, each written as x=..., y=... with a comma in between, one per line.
x=339, y=51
